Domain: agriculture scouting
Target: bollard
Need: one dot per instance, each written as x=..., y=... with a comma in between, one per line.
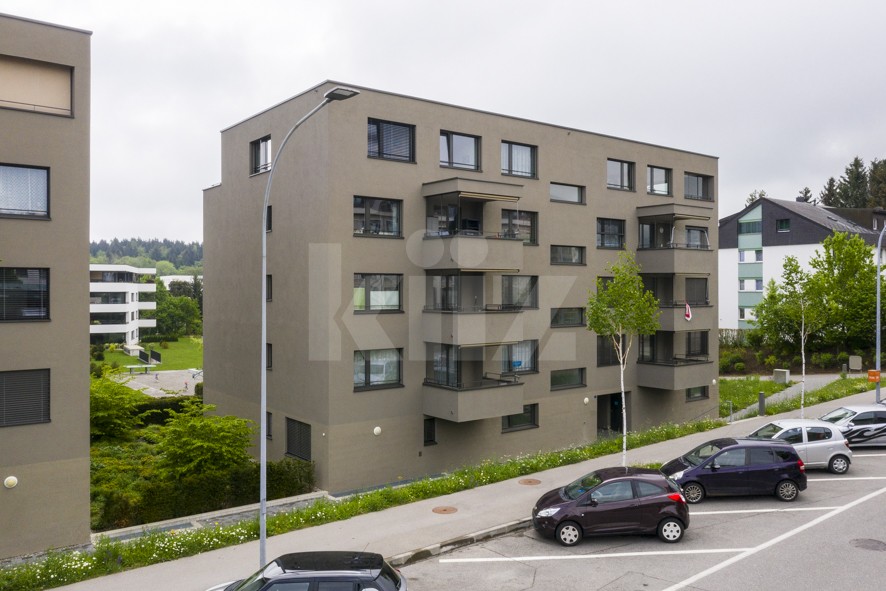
x=762, y=405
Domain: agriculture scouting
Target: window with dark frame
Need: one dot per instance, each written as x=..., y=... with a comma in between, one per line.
x=269, y=353
x=377, y=368
x=696, y=393
x=518, y=159
x=567, y=255
x=783, y=225
x=697, y=343
x=260, y=155
x=391, y=141
x=562, y=379
x=430, y=431
x=752, y=227
x=620, y=175
x=697, y=290
x=610, y=233
x=658, y=180
x=377, y=217
x=567, y=193
x=520, y=225
x=458, y=150
x=377, y=292
x=269, y=288
x=298, y=439
x=268, y=422
x=24, y=397
x=519, y=291
x=269, y=220
x=606, y=353
x=697, y=186
x=528, y=419
x=24, y=294
x=520, y=357
x=565, y=317
x=24, y=191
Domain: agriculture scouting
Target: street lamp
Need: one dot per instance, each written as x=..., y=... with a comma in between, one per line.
x=336, y=94
x=879, y=251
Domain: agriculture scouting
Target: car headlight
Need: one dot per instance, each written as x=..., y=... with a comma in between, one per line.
x=549, y=512
x=677, y=475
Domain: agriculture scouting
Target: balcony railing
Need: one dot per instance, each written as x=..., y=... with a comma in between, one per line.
x=673, y=245
x=489, y=380
x=476, y=309
x=677, y=360
x=473, y=234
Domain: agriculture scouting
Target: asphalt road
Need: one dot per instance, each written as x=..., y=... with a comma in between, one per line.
x=832, y=537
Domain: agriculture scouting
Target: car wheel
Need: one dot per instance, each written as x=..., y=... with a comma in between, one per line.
x=670, y=530
x=693, y=492
x=787, y=490
x=569, y=533
x=839, y=465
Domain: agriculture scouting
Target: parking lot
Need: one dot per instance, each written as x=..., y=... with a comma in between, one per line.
x=832, y=537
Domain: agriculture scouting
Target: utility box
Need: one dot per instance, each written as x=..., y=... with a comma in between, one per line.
x=781, y=376
x=855, y=363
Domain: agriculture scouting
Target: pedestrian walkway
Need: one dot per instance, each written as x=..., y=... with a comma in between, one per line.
x=164, y=383
x=421, y=529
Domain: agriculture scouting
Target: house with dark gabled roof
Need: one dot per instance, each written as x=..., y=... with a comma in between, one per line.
x=755, y=241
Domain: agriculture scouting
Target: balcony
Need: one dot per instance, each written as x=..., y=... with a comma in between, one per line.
x=472, y=251
x=676, y=373
x=490, y=397
x=676, y=258
x=673, y=316
x=492, y=324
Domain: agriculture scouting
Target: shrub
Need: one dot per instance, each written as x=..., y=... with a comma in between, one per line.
x=198, y=390
x=842, y=357
x=825, y=360
x=739, y=367
x=771, y=361
x=797, y=361
x=725, y=366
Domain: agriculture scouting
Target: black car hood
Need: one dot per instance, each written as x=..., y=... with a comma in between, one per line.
x=674, y=466
x=552, y=498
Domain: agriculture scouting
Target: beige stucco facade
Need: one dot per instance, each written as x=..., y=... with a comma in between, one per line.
x=316, y=247
x=42, y=126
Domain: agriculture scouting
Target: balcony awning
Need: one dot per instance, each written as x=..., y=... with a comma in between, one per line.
x=672, y=212
x=460, y=188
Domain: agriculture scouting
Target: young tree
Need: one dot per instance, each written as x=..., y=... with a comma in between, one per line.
x=852, y=189
x=828, y=196
x=755, y=196
x=877, y=183
x=112, y=407
x=621, y=309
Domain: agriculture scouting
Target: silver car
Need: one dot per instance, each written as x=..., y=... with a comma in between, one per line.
x=818, y=443
x=862, y=425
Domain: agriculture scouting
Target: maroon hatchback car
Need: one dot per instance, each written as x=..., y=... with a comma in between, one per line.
x=613, y=501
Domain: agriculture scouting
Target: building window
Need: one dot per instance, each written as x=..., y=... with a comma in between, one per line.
x=268, y=422
x=430, y=435
x=750, y=256
x=377, y=217
x=697, y=186
x=391, y=141
x=696, y=343
x=260, y=155
x=379, y=368
x=697, y=290
x=697, y=393
x=519, y=291
x=269, y=352
x=377, y=293
x=658, y=180
x=750, y=285
x=567, y=378
x=520, y=357
x=521, y=225
x=528, y=419
x=647, y=348
x=620, y=175
x=459, y=151
x=567, y=255
x=567, y=193
x=24, y=397
x=758, y=285
x=561, y=317
x=747, y=314
x=754, y=227
x=269, y=220
x=783, y=225
x=24, y=191
x=298, y=439
x=610, y=233
x=269, y=288
x=697, y=238
x=24, y=294
x=518, y=159
x=606, y=353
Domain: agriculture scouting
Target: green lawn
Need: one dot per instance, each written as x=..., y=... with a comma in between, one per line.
x=745, y=392
x=182, y=354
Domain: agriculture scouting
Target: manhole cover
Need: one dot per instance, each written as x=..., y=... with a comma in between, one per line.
x=529, y=481
x=865, y=544
x=444, y=510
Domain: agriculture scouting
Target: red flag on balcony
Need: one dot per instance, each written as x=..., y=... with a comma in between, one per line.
x=688, y=314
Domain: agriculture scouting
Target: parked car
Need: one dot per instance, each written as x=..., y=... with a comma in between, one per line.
x=818, y=443
x=862, y=426
x=297, y=572
x=613, y=501
x=739, y=467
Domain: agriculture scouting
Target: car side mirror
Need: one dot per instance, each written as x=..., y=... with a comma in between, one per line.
x=592, y=502
x=850, y=425
x=714, y=467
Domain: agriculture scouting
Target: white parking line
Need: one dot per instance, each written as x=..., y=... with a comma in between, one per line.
x=858, y=455
x=702, y=513
x=777, y=540
x=842, y=478
x=593, y=556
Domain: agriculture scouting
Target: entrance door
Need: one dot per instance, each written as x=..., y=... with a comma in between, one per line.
x=609, y=414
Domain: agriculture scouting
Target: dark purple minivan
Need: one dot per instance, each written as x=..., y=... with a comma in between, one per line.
x=613, y=501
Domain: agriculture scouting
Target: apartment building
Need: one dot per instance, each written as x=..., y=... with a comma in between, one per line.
x=428, y=266
x=44, y=297
x=755, y=241
x=115, y=303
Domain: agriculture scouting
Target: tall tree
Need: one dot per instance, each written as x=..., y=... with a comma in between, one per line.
x=621, y=309
x=877, y=183
x=806, y=196
x=852, y=189
x=755, y=196
x=828, y=195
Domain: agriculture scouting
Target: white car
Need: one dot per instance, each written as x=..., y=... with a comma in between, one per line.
x=862, y=425
x=818, y=443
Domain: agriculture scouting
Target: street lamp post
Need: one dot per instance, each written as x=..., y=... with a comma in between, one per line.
x=879, y=252
x=336, y=94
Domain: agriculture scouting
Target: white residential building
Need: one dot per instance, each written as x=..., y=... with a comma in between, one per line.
x=115, y=303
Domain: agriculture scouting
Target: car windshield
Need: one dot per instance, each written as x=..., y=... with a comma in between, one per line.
x=573, y=490
x=701, y=453
x=767, y=431
x=838, y=416
x=256, y=581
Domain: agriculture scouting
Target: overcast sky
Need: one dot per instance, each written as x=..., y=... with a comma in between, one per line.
x=784, y=92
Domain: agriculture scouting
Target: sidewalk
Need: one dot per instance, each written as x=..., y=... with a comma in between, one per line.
x=414, y=531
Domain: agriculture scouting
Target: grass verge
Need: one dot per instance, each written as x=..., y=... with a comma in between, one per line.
x=837, y=389
x=185, y=353
x=744, y=392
